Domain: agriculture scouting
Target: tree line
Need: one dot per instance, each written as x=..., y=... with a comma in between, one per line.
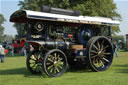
x=4, y=37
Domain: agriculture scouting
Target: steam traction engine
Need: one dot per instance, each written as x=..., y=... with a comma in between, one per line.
x=62, y=37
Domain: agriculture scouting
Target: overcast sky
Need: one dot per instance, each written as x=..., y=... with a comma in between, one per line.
x=7, y=7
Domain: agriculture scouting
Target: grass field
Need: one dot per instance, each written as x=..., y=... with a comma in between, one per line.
x=14, y=72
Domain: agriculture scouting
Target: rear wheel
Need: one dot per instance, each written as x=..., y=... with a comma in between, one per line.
x=99, y=53
x=55, y=63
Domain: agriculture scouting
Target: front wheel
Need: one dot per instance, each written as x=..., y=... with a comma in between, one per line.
x=55, y=63
x=99, y=53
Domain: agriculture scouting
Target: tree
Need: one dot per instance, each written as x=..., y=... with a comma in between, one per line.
x=119, y=38
x=8, y=38
x=20, y=30
x=103, y=8
x=2, y=20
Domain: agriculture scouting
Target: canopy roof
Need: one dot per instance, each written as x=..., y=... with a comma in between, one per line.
x=23, y=16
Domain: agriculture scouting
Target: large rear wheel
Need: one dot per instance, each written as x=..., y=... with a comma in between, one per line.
x=99, y=53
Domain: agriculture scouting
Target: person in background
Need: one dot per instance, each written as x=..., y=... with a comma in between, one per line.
x=2, y=53
x=118, y=47
x=24, y=51
x=31, y=48
x=11, y=50
x=115, y=48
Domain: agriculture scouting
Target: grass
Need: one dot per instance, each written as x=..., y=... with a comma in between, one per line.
x=14, y=72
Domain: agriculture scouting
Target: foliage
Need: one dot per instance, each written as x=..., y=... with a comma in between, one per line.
x=115, y=29
x=103, y=8
x=20, y=29
x=2, y=20
x=14, y=72
x=8, y=37
x=119, y=38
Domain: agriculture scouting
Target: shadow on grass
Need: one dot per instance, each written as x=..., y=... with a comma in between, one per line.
x=26, y=73
x=123, y=71
x=124, y=65
x=123, y=51
x=20, y=71
x=78, y=70
x=122, y=68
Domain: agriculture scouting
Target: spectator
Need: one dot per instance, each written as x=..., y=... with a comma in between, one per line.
x=19, y=49
x=24, y=51
x=115, y=48
x=2, y=53
x=31, y=48
x=11, y=50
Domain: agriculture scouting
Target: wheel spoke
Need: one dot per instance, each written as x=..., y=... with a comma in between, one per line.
x=58, y=56
x=33, y=57
x=57, y=69
x=94, y=56
x=33, y=65
x=95, y=47
x=106, y=47
x=98, y=45
x=37, y=68
x=55, y=56
x=93, y=51
x=48, y=63
x=60, y=59
x=36, y=56
x=50, y=67
x=105, y=60
x=107, y=53
x=102, y=45
x=95, y=61
x=60, y=66
x=50, y=60
x=32, y=62
x=51, y=70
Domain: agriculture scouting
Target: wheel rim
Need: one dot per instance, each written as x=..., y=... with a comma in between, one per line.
x=35, y=63
x=101, y=54
x=55, y=64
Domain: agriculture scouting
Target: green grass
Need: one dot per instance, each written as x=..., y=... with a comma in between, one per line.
x=14, y=72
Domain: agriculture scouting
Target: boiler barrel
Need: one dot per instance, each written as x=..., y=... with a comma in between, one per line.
x=57, y=45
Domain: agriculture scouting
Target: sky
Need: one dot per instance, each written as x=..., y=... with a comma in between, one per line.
x=7, y=7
